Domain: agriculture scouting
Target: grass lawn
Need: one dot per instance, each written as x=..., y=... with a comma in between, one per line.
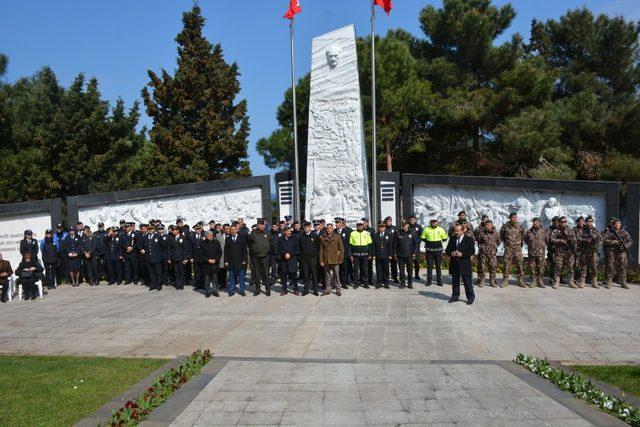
x=626, y=378
x=61, y=390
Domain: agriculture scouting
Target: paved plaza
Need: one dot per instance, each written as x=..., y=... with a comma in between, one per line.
x=387, y=357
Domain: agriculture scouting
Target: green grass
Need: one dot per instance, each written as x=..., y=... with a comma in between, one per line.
x=61, y=390
x=626, y=378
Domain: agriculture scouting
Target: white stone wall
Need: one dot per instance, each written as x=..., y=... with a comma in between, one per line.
x=221, y=206
x=12, y=229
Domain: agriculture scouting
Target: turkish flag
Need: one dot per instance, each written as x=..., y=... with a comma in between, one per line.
x=387, y=5
x=294, y=8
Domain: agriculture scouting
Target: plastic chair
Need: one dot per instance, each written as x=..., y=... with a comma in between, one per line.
x=38, y=284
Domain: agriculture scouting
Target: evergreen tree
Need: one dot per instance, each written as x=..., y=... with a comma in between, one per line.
x=199, y=133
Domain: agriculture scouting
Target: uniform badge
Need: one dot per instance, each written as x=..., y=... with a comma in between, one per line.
x=386, y=237
x=155, y=240
x=180, y=240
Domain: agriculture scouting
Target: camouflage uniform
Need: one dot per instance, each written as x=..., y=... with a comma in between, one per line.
x=488, y=243
x=511, y=236
x=563, y=254
x=587, y=242
x=468, y=231
x=616, y=254
x=536, y=240
x=476, y=237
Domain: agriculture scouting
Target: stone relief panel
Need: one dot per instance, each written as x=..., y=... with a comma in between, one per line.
x=219, y=206
x=336, y=162
x=444, y=202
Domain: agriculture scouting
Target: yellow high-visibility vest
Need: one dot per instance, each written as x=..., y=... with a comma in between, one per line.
x=358, y=238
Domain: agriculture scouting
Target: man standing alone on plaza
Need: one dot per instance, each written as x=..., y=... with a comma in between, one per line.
x=331, y=256
x=461, y=248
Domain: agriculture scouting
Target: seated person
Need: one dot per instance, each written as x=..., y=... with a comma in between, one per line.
x=29, y=271
x=5, y=274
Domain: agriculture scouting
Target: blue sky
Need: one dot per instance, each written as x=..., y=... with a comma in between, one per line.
x=117, y=41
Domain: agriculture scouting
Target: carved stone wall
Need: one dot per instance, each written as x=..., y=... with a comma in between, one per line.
x=444, y=203
x=219, y=206
x=336, y=162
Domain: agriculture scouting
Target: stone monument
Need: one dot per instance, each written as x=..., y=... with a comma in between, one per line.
x=336, y=163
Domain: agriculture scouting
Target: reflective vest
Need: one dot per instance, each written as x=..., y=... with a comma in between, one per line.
x=360, y=238
x=433, y=238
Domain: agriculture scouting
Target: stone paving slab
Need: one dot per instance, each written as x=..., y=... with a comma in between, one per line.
x=330, y=394
x=587, y=325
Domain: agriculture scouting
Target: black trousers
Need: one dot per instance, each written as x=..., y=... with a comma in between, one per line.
x=178, y=268
x=155, y=275
x=50, y=274
x=131, y=268
x=260, y=272
x=405, y=264
x=370, y=270
x=434, y=259
x=222, y=278
x=344, y=271
x=273, y=264
x=29, y=289
x=309, y=266
x=394, y=269
x=360, y=269
x=114, y=271
x=61, y=271
x=167, y=272
x=416, y=265
x=198, y=275
x=143, y=270
x=293, y=277
x=382, y=271
x=252, y=266
x=102, y=268
x=468, y=287
x=4, y=286
x=210, y=273
x=91, y=269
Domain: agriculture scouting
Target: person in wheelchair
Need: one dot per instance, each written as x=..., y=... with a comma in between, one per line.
x=29, y=271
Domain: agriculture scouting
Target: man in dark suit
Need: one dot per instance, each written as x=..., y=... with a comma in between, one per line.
x=152, y=249
x=235, y=259
x=460, y=249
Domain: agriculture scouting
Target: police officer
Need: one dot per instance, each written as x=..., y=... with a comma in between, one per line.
x=563, y=252
x=152, y=245
x=405, y=253
x=143, y=270
x=196, y=239
x=588, y=242
x=166, y=242
x=392, y=230
x=536, y=240
x=433, y=237
x=309, y=252
x=488, y=239
x=360, y=251
x=29, y=245
x=179, y=256
x=101, y=246
x=617, y=243
x=130, y=246
x=88, y=247
x=383, y=252
x=371, y=232
x=113, y=257
x=417, y=231
x=512, y=236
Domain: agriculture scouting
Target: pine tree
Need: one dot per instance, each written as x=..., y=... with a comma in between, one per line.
x=198, y=131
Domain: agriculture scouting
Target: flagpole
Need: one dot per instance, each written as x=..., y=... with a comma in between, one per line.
x=296, y=183
x=374, y=178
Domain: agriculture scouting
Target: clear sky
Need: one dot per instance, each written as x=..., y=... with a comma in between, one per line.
x=117, y=41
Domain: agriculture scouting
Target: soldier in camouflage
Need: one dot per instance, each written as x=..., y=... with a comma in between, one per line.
x=563, y=252
x=587, y=242
x=555, y=222
x=617, y=242
x=462, y=219
x=536, y=240
x=488, y=240
x=476, y=236
x=512, y=234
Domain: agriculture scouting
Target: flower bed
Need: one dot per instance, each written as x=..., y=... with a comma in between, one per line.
x=137, y=410
x=581, y=388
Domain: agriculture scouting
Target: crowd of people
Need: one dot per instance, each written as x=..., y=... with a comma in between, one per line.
x=321, y=255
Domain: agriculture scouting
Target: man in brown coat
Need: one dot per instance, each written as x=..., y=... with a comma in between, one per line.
x=5, y=274
x=331, y=256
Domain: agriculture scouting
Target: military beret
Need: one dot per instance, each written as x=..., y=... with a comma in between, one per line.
x=536, y=219
x=462, y=213
x=513, y=214
x=614, y=219
x=488, y=221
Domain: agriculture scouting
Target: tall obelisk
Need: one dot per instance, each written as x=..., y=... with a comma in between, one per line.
x=336, y=163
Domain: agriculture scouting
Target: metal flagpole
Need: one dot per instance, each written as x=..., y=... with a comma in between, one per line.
x=296, y=183
x=374, y=178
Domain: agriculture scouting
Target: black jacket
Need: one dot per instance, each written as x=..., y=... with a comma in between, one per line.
x=29, y=247
x=405, y=244
x=210, y=250
x=49, y=251
x=461, y=266
x=382, y=245
x=101, y=242
x=235, y=253
x=179, y=248
x=289, y=246
x=88, y=244
x=260, y=243
x=309, y=244
x=196, y=241
x=72, y=244
x=113, y=249
x=154, y=246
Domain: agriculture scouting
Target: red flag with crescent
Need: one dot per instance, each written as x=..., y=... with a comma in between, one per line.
x=387, y=5
x=294, y=9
